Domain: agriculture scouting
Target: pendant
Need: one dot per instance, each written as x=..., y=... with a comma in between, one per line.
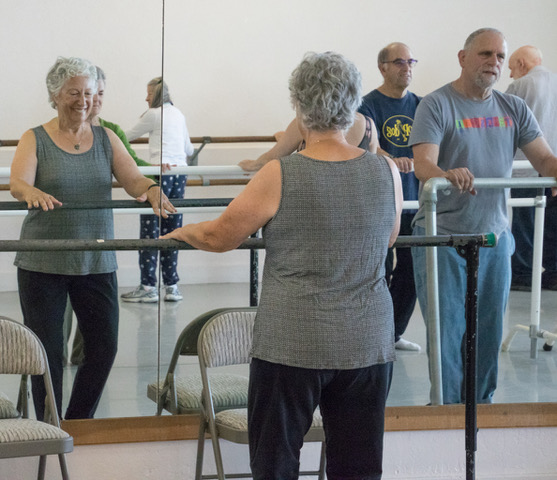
x=76, y=146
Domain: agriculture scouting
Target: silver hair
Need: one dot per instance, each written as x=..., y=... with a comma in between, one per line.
x=161, y=95
x=100, y=74
x=470, y=40
x=326, y=90
x=64, y=69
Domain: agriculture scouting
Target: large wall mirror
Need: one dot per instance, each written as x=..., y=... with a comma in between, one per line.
x=227, y=65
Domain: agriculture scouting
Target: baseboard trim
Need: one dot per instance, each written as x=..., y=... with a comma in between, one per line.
x=185, y=427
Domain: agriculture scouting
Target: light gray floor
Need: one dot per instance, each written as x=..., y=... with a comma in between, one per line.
x=521, y=379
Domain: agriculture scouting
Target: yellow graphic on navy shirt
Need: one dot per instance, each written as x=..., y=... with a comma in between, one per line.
x=396, y=130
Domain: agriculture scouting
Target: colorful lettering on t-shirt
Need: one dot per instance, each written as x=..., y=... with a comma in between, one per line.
x=396, y=130
x=484, y=122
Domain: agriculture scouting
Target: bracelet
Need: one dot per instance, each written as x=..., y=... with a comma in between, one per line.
x=156, y=184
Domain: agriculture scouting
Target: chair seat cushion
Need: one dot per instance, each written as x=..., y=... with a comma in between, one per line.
x=232, y=425
x=229, y=391
x=25, y=429
x=7, y=408
x=24, y=437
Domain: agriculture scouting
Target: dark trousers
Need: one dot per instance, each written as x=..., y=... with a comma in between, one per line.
x=281, y=403
x=173, y=186
x=523, y=232
x=94, y=299
x=401, y=280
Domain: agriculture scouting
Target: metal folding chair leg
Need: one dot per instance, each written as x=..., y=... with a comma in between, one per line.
x=42, y=467
x=64, y=466
x=200, y=448
x=322, y=463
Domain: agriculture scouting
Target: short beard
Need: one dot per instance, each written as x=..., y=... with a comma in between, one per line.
x=483, y=82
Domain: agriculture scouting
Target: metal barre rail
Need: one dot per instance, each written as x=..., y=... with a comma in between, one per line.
x=194, y=140
x=483, y=240
x=214, y=170
x=108, y=204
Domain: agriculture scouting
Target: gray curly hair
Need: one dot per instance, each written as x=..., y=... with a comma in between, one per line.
x=63, y=70
x=326, y=90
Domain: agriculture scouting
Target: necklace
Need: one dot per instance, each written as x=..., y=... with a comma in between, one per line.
x=77, y=145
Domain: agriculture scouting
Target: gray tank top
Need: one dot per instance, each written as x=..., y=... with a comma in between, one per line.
x=324, y=301
x=71, y=178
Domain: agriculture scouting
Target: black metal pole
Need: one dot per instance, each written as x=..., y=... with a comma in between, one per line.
x=254, y=275
x=471, y=253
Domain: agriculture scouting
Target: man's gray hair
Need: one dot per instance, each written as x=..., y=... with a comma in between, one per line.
x=161, y=95
x=326, y=88
x=470, y=40
x=64, y=69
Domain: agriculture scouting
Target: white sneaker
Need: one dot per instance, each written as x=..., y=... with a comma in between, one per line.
x=172, y=294
x=141, y=294
x=406, y=345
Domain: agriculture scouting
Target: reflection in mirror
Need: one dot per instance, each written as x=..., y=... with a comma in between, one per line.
x=66, y=29
x=228, y=74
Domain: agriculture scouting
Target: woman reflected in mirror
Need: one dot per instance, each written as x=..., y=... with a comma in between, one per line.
x=69, y=160
x=169, y=146
x=75, y=356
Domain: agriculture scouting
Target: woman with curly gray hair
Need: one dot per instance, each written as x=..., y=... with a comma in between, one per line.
x=70, y=160
x=323, y=335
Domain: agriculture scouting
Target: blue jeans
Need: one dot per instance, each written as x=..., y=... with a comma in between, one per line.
x=94, y=299
x=494, y=280
x=173, y=186
x=281, y=403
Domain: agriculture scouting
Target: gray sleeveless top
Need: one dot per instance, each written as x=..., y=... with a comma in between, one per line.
x=324, y=300
x=71, y=178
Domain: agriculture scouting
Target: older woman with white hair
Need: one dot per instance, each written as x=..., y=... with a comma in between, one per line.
x=323, y=335
x=69, y=160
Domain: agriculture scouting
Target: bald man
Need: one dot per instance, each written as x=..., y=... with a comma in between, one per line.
x=392, y=106
x=538, y=87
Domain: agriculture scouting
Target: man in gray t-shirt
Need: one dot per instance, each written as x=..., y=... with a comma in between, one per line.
x=462, y=131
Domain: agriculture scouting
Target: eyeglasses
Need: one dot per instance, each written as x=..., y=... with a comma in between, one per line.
x=399, y=62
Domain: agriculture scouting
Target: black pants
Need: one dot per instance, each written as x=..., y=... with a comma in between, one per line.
x=281, y=403
x=94, y=299
x=523, y=232
x=401, y=280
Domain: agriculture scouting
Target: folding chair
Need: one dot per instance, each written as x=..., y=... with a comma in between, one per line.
x=226, y=339
x=182, y=394
x=21, y=353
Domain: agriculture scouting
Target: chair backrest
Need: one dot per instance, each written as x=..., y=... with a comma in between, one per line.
x=187, y=341
x=226, y=338
x=21, y=352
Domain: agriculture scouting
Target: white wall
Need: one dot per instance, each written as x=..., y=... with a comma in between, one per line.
x=227, y=63
x=520, y=454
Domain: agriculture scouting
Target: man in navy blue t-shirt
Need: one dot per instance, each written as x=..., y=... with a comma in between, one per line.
x=392, y=108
